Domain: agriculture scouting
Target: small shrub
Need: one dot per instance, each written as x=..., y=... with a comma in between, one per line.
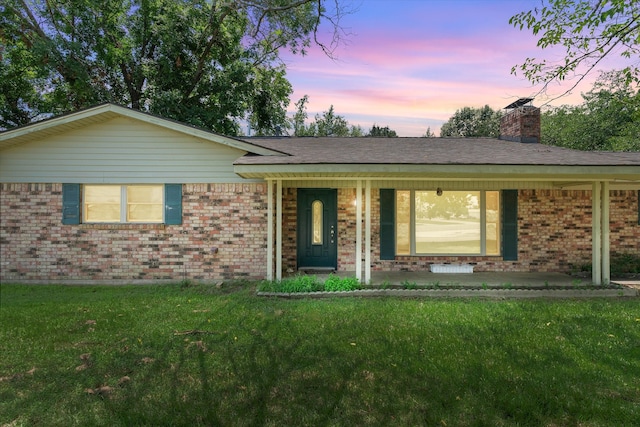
x=303, y=284
x=621, y=264
x=186, y=283
x=310, y=284
x=409, y=285
x=337, y=284
x=625, y=263
x=294, y=284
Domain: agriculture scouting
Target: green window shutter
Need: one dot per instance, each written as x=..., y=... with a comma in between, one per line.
x=173, y=204
x=387, y=223
x=510, y=225
x=71, y=204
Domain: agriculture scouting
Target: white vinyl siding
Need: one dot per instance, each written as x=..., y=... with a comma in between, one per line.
x=120, y=151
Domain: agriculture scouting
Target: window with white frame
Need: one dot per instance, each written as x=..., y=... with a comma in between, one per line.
x=447, y=223
x=123, y=203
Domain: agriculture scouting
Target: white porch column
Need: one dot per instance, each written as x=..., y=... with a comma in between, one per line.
x=269, y=229
x=606, y=249
x=279, y=229
x=596, y=234
x=367, y=228
x=359, y=230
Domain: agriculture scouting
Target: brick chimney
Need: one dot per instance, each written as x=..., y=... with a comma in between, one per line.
x=521, y=122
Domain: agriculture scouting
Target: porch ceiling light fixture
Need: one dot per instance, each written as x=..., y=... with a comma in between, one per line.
x=439, y=191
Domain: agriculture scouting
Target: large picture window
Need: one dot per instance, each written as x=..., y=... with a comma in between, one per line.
x=447, y=223
x=123, y=203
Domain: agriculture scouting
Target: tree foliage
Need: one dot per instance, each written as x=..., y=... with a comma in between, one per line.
x=448, y=205
x=608, y=119
x=326, y=124
x=330, y=124
x=382, y=132
x=210, y=63
x=588, y=30
x=473, y=122
x=429, y=133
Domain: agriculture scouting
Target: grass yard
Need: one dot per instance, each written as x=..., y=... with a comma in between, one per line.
x=198, y=355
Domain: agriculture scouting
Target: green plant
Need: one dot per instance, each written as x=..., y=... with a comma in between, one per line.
x=300, y=283
x=620, y=263
x=186, y=283
x=406, y=284
x=336, y=284
x=625, y=263
x=507, y=285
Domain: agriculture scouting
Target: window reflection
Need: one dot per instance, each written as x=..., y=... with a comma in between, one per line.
x=452, y=222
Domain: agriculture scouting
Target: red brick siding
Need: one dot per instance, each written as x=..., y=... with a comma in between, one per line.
x=521, y=122
x=554, y=231
x=35, y=246
x=623, y=222
x=289, y=229
x=346, y=229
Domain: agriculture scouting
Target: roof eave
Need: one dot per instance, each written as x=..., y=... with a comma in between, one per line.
x=456, y=171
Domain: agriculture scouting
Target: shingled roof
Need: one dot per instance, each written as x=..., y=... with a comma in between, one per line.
x=428, y=151
x=434, y=158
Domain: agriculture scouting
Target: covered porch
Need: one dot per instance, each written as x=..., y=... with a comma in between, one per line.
x=536, y=208
x=363, y=254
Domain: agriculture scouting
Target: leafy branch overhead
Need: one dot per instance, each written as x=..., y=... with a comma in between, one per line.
x=588, y=30
x=203, y=62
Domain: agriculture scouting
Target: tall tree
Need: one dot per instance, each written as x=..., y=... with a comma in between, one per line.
x=588, y=30
x=379, y=131
x=210, y=63
x=300, y=128
x=330, y=124
x=608, y=118
x=473, y=122
x=326, y=124
x=429, y=133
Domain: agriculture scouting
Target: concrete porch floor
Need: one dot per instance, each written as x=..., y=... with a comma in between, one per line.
x=480, y=279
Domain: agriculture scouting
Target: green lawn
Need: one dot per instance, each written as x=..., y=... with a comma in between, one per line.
x=166, y=355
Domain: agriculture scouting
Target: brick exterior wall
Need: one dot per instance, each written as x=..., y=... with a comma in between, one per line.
x=346, y=229
x=521, y=124
x=554, y=229
x=554, y=234
x=37, y=247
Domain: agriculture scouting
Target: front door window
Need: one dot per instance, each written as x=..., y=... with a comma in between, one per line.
x=316, y=212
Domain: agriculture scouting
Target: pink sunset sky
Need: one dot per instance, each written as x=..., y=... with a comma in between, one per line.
x=410, y=64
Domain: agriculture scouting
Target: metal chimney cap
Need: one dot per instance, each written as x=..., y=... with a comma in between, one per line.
x=519, y=103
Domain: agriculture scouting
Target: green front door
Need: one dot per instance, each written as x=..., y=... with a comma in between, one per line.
x=317, y=228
